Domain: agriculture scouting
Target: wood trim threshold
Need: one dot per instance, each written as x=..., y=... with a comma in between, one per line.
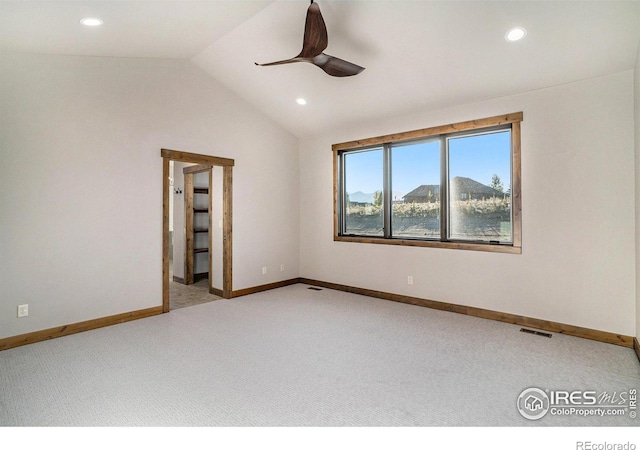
x=65, y=330
x=636, y=347
x=555, y=327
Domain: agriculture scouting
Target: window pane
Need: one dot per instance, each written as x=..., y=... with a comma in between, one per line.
x=415, y=183
x=364, y=193
x=480, y=187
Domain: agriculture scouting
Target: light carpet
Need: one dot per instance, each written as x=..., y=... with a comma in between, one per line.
x=298, y=357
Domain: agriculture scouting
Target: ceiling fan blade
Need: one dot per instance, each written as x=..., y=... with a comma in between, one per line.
x=314, y=43
x=315, y=33
x=277, y=63
x=336, y=67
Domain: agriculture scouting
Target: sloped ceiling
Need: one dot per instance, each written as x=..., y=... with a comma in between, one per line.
x=418, y=55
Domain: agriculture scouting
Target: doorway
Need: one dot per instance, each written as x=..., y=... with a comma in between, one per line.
x=226, y=167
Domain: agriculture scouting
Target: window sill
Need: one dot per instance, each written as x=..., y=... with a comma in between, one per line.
x=494, y=248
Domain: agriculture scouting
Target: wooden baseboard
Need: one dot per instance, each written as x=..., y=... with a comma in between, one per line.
x=65, y=330
x=264, y=287
x=216, y=291
x=555, y=327
x=178, y=279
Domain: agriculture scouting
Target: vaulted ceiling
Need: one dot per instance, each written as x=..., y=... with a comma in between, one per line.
x=418, y=55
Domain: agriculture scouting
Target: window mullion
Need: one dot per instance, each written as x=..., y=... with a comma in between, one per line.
x=444, y=191
x=387, y=197
x=342, y=196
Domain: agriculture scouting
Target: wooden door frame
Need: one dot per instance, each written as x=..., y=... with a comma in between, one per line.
x=227, y=217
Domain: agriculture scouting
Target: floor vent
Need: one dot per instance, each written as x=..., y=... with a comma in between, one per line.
x=537, y=333
x=315, y=289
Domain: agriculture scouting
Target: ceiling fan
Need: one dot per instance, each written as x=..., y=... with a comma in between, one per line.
x=315, y=41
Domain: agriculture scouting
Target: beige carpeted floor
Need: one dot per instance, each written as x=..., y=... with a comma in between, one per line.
x=297, y=357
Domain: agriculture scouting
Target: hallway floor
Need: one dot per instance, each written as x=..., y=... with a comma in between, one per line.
x=182, y=295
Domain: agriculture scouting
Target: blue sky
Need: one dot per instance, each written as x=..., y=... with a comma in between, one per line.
x=477, y=157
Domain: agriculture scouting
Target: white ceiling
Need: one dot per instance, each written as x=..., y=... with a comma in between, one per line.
x=418, y=55
x=139, y=28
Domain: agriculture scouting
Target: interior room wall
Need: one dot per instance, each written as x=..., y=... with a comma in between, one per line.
x=578, y=247
x=81, y=182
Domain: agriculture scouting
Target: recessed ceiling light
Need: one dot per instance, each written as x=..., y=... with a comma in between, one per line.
x=515, y=34
x=301, y=101
x=91, y=22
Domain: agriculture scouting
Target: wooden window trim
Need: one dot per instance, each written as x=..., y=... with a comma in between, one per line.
x=516, y=200
x=433, y=131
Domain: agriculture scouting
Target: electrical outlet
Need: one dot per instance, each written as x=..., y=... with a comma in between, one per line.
x=23, y=310
x=281, y=267
x=409, y=279
x=264, y=271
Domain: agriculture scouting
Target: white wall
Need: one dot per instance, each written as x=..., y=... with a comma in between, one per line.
x=577, y=263
x=81, y=196
x=81, y=182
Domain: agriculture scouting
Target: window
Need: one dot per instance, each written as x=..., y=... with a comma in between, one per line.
x=415, y=187
x=454, y=186
x=364, y=185
x=479, y=204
